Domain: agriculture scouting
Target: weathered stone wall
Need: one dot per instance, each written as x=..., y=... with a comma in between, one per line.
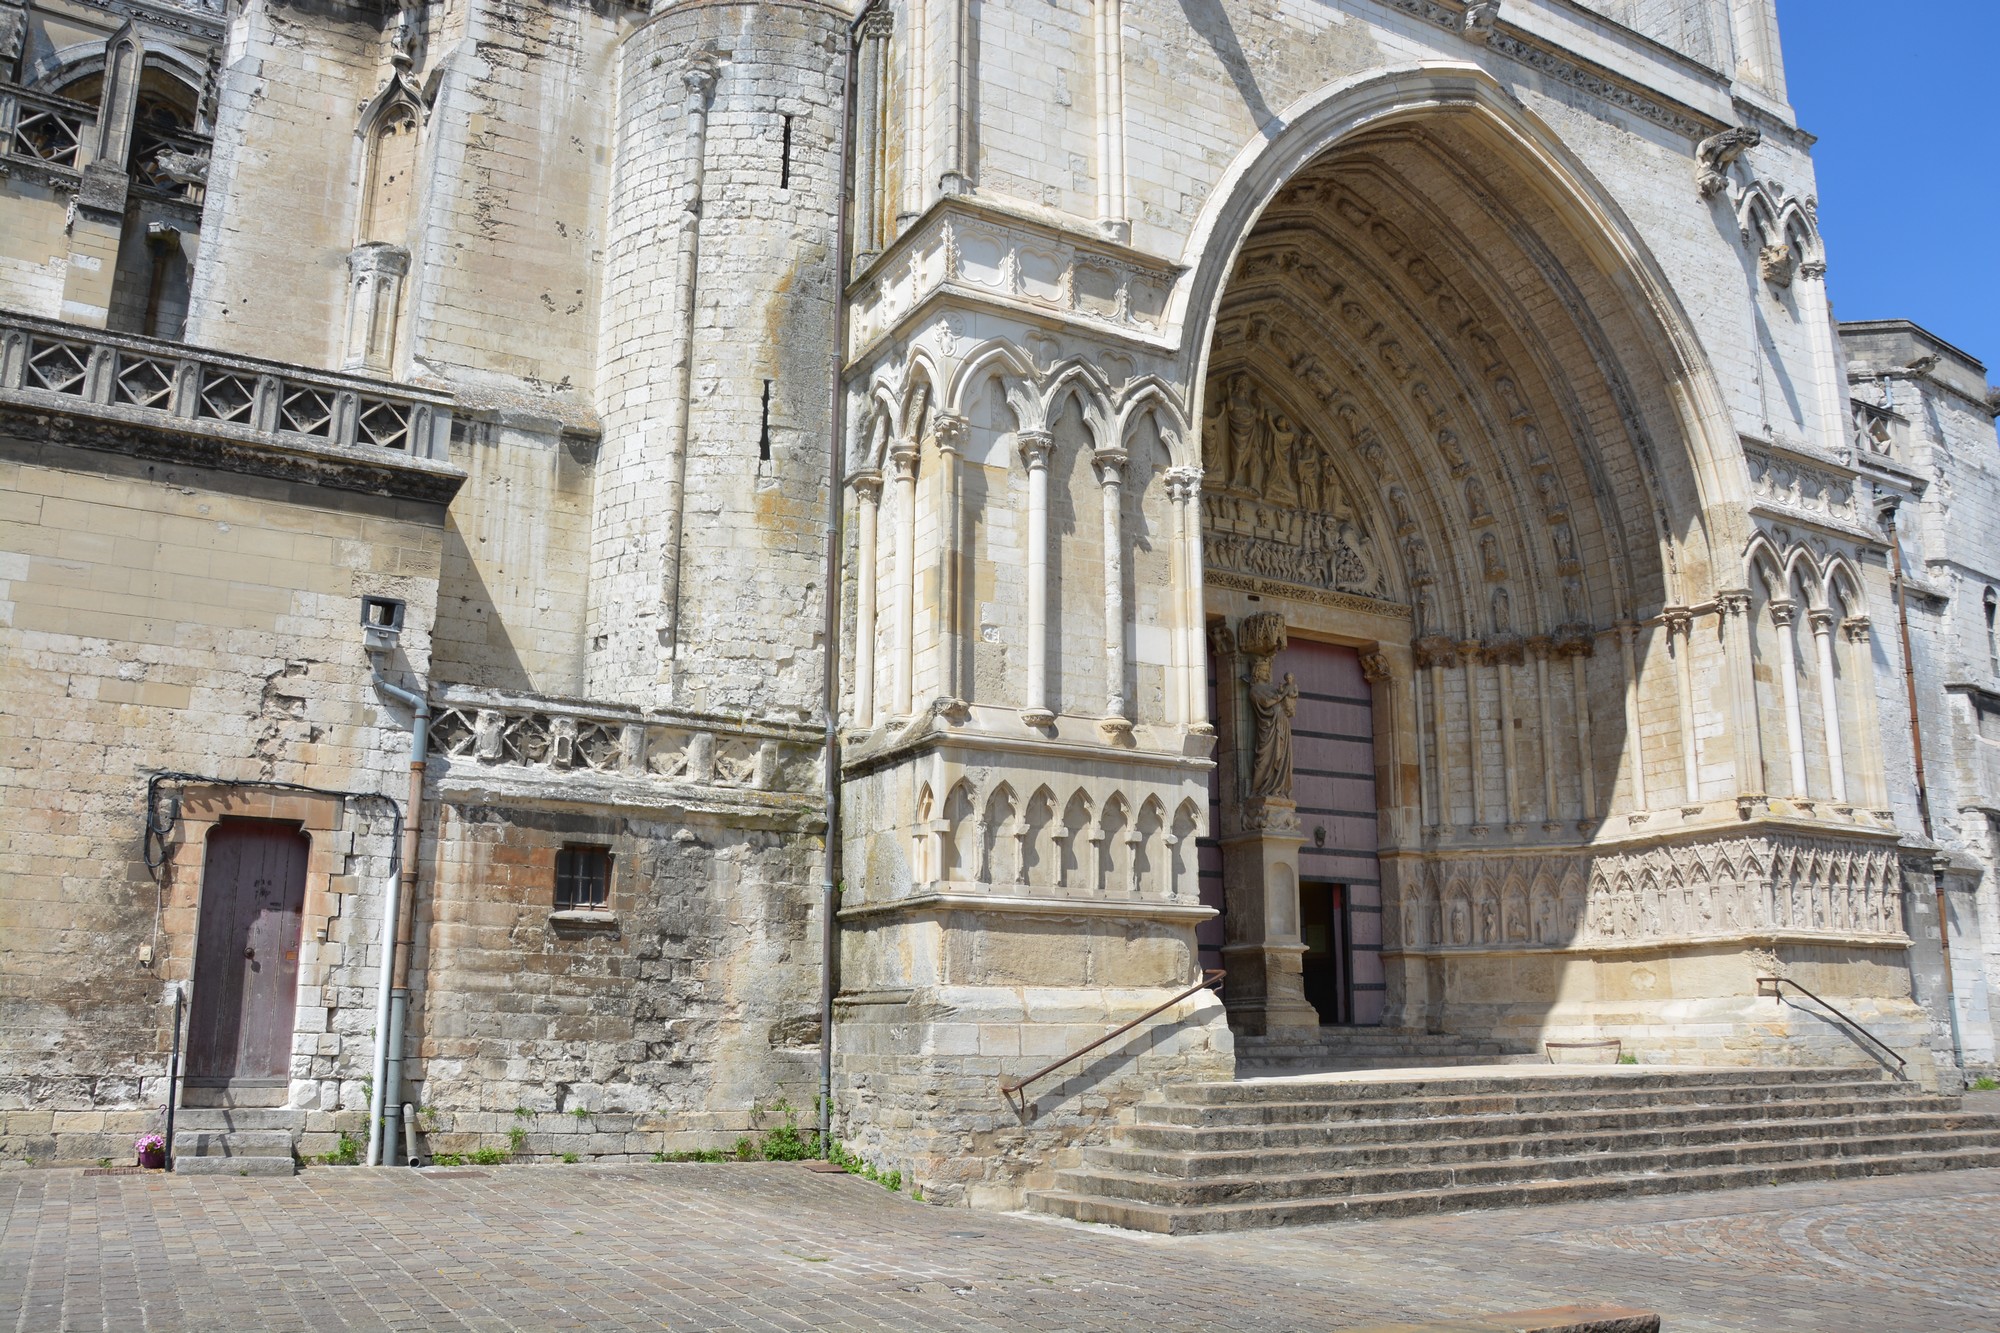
x=667, y=1023
x=158, y=616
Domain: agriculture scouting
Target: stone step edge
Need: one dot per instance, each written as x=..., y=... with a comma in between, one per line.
x=1315, y=1111
x=1248, y=1094
x=1443, y=1081
x=1945, y=1141
x=1355, y=1207
x=1637, y=1116
x=1982, y=1124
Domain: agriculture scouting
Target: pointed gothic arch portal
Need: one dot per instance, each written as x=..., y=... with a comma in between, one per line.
x=1448, y=424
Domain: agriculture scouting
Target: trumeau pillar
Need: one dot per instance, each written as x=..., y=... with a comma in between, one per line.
x=1035, y=446
x=1260, y=843
x=867, y=574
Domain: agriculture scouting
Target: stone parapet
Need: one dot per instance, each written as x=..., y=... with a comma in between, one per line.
x=160, y=399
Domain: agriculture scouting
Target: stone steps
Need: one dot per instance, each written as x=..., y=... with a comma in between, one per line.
x=1219, y=1139
x=1529, y=1145
x=1218, y=1156
x=235, y=1141
x=1308, y=1212
x=1338, y=1048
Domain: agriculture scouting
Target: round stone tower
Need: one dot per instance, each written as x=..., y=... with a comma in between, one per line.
x=720, y=286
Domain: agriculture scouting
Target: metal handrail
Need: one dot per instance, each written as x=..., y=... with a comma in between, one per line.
x=1770, y=986
x=1210, y=979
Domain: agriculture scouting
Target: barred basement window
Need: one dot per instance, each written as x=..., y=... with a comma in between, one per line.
x=583, y=879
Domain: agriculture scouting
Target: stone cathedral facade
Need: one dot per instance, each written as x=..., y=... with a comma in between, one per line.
x=924, y=526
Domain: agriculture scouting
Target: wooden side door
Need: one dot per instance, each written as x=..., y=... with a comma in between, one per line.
x=246, y=967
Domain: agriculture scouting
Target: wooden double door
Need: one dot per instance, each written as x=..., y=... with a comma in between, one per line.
x=246, y=970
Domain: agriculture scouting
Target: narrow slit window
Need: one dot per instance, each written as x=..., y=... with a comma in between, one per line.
x=583, y=879
x=764, y=435
x=785, y=162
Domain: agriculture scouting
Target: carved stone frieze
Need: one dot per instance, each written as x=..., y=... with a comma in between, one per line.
x=1792, y=486
x=1271, y=505
x=1759, y=884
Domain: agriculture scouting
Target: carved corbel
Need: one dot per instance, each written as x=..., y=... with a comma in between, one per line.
x=1479, y=19
x=1715, y=153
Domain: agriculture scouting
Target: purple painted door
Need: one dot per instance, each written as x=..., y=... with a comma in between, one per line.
x=1340, y=881
x=246, y=967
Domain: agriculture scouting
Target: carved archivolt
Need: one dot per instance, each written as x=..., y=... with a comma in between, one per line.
x=1742, y=886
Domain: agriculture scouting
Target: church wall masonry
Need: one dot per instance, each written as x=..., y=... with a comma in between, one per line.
x=1483, y=348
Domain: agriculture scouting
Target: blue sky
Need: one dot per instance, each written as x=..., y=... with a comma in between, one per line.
x=1905, y=98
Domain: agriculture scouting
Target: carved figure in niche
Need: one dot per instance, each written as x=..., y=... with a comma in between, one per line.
x=1399, y=510
x=1461, y=922
x=1489, y=922
x=1454, y=457
x=1248, y=448
x=1510, y=394
x=1551, y=498
x=1312, y=474
x=1503, y=618
x=1489, y=558
x=1531, y=445
x=1565, y=546
x=1475, y=501
x=1282, y=445
x=1545, y=923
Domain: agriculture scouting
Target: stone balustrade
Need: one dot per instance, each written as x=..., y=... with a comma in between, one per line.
x=46, y=362
x=482, y=729
x=45, y=131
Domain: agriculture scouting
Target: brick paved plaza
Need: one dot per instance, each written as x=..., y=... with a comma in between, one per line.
x=778, y=1247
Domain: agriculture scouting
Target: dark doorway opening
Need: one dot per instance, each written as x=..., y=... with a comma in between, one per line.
x=246, y=969
x=1329, y=958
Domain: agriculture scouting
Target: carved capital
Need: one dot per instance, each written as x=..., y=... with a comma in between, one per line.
x=1784, y=612
x=1576, y=641
x=1375, y=668
x=879, y=25
x=1183, y=484
x=1734, y=602
x=1504, y=651
x=867, y=486
x=1856, y=628
x=903, y=460
x=699, y=75
x=1110, y=465
x=1541, y=647
x=1035, y=447
x=1678, y=620
x=1821, y=620
x=1435, y=650
x=949, y=432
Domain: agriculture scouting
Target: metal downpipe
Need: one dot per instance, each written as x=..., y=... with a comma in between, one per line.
x=830, y=685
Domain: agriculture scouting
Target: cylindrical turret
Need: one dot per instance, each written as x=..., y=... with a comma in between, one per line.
x=719, y=319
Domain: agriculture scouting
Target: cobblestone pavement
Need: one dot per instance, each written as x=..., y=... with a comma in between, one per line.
x=770, y=1247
